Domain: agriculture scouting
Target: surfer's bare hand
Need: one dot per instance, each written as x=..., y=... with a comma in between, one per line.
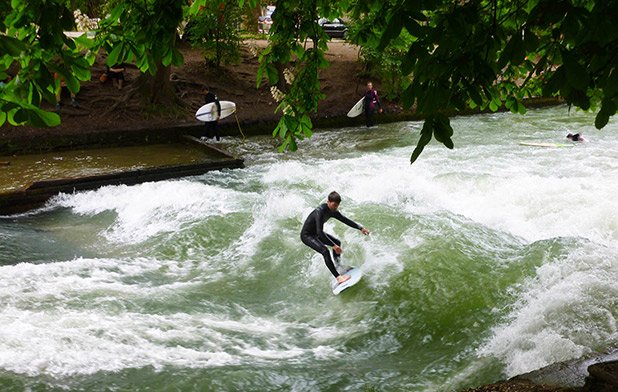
x=337, y=249
x=365, y=231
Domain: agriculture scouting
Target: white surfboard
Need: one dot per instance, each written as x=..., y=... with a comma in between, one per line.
x=535, y=144
x=208, y=112
x=357, y=109
x=355, y=276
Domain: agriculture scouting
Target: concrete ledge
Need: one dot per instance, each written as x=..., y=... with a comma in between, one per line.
x=174, y=133
x=38, y=192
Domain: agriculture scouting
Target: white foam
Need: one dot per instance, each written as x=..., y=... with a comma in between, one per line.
x=87, y=315
x=568, y=309
x=148, y=209
x=44, y=309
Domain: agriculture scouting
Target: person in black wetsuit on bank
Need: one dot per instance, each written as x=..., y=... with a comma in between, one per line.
x=370, y=104
x=313, y=235
x=212, y=127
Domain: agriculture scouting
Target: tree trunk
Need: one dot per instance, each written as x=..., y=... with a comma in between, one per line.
x=156, y=89
x=161, y=90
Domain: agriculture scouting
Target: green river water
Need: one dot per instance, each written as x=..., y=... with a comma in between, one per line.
x=484, y=262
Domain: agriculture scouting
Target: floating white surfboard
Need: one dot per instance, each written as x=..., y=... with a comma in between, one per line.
x=208, y=112
x=357, y=109
x=535, y=144
x=355, y=276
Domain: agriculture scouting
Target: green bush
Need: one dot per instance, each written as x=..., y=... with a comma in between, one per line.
x=216, y=29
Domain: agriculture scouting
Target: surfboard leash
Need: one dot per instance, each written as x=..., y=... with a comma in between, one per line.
x=239, y=128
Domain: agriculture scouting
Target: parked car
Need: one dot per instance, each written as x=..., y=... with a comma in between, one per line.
x=265, y=21
x=264, y=24
x=335, y=28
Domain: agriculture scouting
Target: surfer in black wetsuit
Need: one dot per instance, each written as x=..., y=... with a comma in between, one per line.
x=313, y=235
x=212, y=127
x=370, y=104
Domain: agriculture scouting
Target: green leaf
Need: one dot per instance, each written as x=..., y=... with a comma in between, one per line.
x=112, y=58
x=117, y=12
x=11, y=46
x=555, y=82
x=292, y=146
x=408, y=96
x=601, y=119
x=493, y=106
x=509, y=103
x=531, y=41
x=177, y=59
x=442, y=130
x=392, y=31
x=273, y=74
x=84, y=42
x=276, y=130
x=425, y=138
x=307, y=131
x=82, y=74
x=475, y=95
x=167, y=57
x=2, y=118
x=413, y=27
x=18, y=117
x=514, y=51
x=41, y=118
x=305, y=121
x=576, y=74
x=72, y=83
x=260, y=75
x=608, y=109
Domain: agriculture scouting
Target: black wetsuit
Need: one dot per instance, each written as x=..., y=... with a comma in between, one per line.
x=212, y=127
x=313, y=235
x=371, y=102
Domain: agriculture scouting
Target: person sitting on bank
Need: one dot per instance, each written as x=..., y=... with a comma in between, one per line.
x=576, y=137
x=63, y=85
x=116, y=74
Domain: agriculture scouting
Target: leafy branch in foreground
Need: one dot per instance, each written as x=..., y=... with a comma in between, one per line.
x=297, y=42
x=35, y=56
x=487, y=53
x=482, y=54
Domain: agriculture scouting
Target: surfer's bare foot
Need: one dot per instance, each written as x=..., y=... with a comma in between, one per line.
x=342, y=278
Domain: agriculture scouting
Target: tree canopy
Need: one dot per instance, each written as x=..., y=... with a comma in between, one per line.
x=466, y=54
x=453, y=54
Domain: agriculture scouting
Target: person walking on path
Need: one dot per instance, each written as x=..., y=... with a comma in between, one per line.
x=313, y=235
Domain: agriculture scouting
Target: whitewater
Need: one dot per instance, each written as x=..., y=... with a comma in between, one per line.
x=484, y=262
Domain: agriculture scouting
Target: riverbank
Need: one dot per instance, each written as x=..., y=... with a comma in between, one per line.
x=107, y=116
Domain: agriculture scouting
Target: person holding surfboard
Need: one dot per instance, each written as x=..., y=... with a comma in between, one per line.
x=212, y=127
x=313, y=235
x=371, y=102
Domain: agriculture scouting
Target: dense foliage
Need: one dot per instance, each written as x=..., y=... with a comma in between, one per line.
x=449, y=54
x=295, y=54
x=35, y=57
x=476, y=53
x=215, y=28
x=486, y=53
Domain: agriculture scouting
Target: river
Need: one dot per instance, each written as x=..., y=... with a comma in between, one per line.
x=483, y=262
